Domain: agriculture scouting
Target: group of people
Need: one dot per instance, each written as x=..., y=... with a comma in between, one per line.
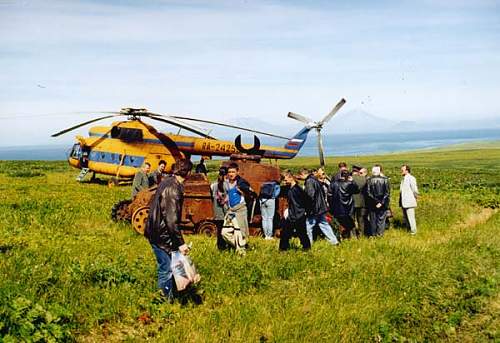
x=354, y=202
x=143, y=179
x=351, y=200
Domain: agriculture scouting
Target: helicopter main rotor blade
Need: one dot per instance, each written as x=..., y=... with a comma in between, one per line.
x=111, y=112
x=83, y=124
x=299, y=117
x=332, y=112
x=180, y=124
x=231, y=126
x=25, y=115
x=168, y=117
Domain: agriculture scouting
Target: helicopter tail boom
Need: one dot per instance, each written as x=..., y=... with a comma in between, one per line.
x=292, y=146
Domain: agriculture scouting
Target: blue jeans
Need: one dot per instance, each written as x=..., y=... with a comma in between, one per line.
x=267, y=211
x=165, y=281
x=320, y=220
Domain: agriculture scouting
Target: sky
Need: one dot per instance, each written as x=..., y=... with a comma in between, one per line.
x=61, y=61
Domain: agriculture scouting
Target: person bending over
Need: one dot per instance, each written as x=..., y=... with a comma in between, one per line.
x=162, y=229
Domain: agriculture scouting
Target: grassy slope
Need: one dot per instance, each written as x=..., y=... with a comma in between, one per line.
x=68, y=271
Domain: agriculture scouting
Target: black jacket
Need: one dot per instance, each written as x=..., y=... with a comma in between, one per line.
x=165, y=214
x=341, y=200
x=378, y=191
x=316, y=202
x=201, y=168
x=296, y=203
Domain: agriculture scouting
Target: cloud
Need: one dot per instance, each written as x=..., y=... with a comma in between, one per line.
x=248, y=58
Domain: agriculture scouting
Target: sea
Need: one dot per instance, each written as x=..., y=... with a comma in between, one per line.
x=334, y=145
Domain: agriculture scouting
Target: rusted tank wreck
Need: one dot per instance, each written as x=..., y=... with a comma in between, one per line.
x=197, y=211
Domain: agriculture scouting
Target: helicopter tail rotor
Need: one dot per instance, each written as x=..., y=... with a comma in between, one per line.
x=318, y=126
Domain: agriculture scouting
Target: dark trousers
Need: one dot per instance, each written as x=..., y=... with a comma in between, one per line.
x=347, y=224
x=377, y=221
x=291, y=229
x=221, y=243
x=362, y=224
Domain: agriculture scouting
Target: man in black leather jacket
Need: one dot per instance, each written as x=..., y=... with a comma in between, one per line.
x=316, y=208
x=342, y=203
x=162, y=226
x=378, y=198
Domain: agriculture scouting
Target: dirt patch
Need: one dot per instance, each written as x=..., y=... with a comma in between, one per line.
x=477, y=218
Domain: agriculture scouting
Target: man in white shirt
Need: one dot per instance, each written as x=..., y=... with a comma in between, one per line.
x=408, y=198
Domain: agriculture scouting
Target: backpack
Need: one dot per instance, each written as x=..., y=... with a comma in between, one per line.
x=269, y=190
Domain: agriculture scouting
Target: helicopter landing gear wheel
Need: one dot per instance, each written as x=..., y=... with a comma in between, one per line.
x=120, y=210
x=207, y=228
x=139, y=219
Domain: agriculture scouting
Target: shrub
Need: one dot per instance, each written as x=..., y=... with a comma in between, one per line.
x=25, y=320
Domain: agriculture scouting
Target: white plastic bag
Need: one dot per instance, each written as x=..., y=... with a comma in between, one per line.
x=183, y=270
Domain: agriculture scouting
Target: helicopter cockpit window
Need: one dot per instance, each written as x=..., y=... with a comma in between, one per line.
x=126, y=134
x=76, y=152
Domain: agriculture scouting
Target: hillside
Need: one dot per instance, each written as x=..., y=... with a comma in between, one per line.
x=70, y=273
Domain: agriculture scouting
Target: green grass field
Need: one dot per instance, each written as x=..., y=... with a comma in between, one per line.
x=67, y=272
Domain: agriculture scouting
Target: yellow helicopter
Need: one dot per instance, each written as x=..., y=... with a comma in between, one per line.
x=120, y=149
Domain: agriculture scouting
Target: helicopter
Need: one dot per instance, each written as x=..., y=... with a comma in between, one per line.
x=120, y=149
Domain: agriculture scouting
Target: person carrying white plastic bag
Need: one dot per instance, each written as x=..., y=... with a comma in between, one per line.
x=162, y=228
x=183, y=270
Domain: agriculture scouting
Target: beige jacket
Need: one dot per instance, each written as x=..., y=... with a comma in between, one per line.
x=409, y=192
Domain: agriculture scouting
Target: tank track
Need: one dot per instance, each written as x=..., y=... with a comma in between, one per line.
x=120, y=211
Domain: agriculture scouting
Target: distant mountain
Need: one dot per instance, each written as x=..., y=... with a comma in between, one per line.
x=405, y=125
x=358, y=121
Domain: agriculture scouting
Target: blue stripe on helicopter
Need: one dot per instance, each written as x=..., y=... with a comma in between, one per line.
x=267, y=154
x=271, y=154
x=148, y=140
x=113, y=158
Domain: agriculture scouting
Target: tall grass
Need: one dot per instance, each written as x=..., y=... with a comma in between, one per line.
x=68, y=272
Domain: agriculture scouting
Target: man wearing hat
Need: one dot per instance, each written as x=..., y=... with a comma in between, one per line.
x=360, y=210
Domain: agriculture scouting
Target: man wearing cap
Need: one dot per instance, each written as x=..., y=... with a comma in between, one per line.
x=408, y=198
x=360, y=210
x=378, y=197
